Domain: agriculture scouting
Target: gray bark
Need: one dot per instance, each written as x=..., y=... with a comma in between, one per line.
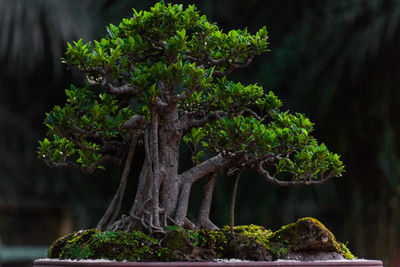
x=181, y=210
x=209, y=166
x=156, y=170
x=203, y=218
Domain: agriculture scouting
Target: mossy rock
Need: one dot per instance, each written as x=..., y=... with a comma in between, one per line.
x=254, y=232
x=306, y=235
x=246, y=242
x=178, y=241
x=57, y=247
x=303, y=240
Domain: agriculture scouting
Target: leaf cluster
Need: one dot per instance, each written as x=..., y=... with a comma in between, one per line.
x=168, y=43
x=84, y=129
x=281, y=140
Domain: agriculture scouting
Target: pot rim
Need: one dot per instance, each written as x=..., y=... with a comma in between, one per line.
x=108, y=263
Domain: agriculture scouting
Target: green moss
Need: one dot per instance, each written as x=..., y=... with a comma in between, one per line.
x=76, y=251
x=249, y=242
x=94, y=244
x=345, y=251
x=77, y=246
x=133, y=246
x=305, y=235
x=216, y=240
x=278, y=250
x=178, y=240
x=56, y=248
x=194, y=236
x=72, y=242
x=253, y=232
x=245, y=242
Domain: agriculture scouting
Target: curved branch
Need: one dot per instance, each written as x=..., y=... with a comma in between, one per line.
x=107, y=146
x=118, y=90
x=272, y=179
x=82, y=131
x=205, y=59
x=105, y=81
x=209, y=166
x=232, y=67
x=135, y=122
x=189, y=120
x=103, y=160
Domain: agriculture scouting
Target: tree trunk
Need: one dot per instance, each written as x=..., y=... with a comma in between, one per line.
x=170, y=137
x=162, y=195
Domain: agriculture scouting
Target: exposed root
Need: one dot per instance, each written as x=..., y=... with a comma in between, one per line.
x=188, y=224
x=207, y=224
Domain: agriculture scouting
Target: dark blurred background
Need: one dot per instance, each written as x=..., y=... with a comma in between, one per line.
x=337, y=61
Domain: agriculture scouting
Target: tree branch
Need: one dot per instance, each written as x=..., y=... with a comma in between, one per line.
x=118, y=90
x=188, y=119
x=271, y=179
x=105, y=81
x=82, y=131
x=135, y=122
x=232, y=67
x=88, y=169
x=209, y=166
x=186, y=94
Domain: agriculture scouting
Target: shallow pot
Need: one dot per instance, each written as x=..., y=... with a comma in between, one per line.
x=100, y=263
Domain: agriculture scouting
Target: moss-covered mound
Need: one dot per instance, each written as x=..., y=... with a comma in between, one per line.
x=94, y=244
x=305, y=239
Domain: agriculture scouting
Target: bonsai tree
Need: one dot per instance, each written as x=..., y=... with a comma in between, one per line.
x=161, y=77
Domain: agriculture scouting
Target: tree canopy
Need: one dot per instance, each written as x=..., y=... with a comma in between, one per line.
x=161, y=77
